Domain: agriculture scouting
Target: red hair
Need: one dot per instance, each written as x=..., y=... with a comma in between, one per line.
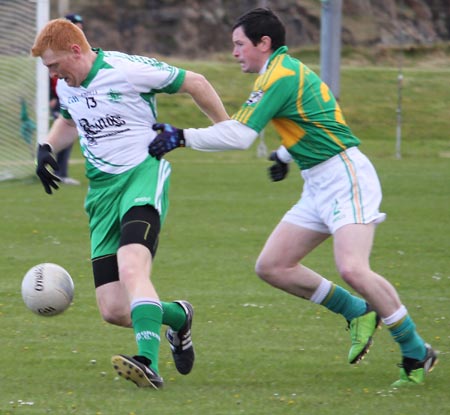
x=59, y=35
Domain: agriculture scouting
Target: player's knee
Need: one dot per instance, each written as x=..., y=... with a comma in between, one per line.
x=347, y=272
x=265, y=269
x=116, y=317
x=114, y=310
x=260, y=269
x=354, y=274
x=112, y=300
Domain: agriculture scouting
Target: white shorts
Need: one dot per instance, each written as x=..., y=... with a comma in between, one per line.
x=342, y=190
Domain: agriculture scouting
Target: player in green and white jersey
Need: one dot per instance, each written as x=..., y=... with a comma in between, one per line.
x=108, y=102
x=341, y=193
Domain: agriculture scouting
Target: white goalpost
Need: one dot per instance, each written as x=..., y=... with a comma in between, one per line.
x=24, y=87
x=42, y=77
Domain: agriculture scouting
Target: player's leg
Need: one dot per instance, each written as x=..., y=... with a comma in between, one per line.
x=278, y=264
x=114, y=301
x=126, y=296
x=353, y=241
x=112, y=298
x=140, y=228
x=303, y=227
x=351, y=253
x=352, y=245
x=134, y=262
x=114, y=305
x=141, y=225
x=130, y=233
x=279, y=261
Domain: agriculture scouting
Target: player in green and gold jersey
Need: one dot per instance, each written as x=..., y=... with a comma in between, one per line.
x=341, y=194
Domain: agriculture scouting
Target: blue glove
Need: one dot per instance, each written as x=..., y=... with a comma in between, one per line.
x=46, y=157
x=168, y=138
x=279, y=170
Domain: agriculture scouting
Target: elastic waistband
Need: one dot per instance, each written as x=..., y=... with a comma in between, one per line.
x=335, y=160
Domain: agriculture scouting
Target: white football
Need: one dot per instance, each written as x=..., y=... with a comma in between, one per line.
x=47, y=289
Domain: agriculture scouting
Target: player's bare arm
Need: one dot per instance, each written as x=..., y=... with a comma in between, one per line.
x=205, y=96
x=62, y=134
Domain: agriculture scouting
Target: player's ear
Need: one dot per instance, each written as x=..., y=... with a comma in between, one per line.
x=265, y=44
x=76, y=49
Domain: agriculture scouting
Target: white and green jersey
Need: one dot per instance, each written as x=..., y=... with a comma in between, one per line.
x=115, y=107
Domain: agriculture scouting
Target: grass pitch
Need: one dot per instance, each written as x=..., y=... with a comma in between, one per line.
x=259, y=351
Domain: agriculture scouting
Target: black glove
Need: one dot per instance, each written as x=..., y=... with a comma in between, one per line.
x=279, y=170
x=46, y=157
x=168, y=138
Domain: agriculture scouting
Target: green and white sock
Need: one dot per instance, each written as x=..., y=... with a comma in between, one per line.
x=146, y=317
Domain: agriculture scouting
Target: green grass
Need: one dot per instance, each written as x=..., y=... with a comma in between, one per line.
x=259, y=351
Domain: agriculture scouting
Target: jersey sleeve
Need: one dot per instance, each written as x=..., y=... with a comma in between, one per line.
x=65, y=114
x=150, y=75
x=225, y=135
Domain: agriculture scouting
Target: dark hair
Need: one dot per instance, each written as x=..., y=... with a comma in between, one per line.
x=262, y=22
x=74, y=18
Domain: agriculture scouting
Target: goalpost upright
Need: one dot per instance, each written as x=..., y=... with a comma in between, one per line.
x=24, y=87
x=42, y=77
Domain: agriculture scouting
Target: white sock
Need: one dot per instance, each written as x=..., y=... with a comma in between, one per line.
x=322, y=291
x=396, y=316
x=140, y=301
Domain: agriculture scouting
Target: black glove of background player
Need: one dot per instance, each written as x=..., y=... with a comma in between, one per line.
x=45, y=157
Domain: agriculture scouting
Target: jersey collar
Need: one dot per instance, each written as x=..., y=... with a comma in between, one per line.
x=279, y=51
x=99, y=63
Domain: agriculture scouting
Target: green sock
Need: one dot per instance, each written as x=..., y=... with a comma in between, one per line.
x=340, y=301
x=147, y=318
x=173, y=315
x=405, y=334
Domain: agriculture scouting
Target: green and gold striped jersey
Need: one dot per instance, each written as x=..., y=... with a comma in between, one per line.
x=302, y=109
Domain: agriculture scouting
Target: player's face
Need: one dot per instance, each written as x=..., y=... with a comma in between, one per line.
x=247, y=54
x=63, y=65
